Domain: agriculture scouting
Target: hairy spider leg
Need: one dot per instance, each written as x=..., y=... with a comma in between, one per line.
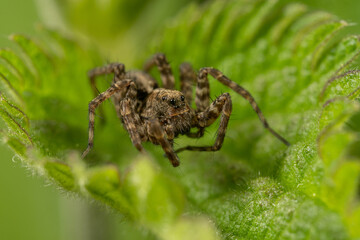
x=156, y=132
x=131, y=120
x=187, y=80
x=118, y=69
x=218, y=75
x=222, y=105
x=164, y=68
x=116, y=87
x=202, y=100
x=144, y=81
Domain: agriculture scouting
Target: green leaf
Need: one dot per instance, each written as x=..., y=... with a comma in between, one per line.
x=104, y=184
x=291, y=60
x=16, y=63
x=61, y=173
x=16, y=121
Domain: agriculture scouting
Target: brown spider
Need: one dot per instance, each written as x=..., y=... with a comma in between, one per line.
x=159, y=115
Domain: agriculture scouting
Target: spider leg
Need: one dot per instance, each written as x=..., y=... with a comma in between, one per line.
x=202, y=101
x=117, y=86
x=245, y=94
x=197, y=134
x=132, y=121
x=157, y=135
x=145, y=83
x=118, y=69
x=187, y=80
x=222, y=105
x=163, y=65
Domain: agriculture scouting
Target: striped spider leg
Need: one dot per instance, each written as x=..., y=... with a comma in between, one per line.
x=207, y=114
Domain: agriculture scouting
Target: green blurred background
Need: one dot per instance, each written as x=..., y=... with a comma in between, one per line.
x=37, y=210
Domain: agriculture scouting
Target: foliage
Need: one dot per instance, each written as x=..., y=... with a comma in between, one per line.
x=293, y=62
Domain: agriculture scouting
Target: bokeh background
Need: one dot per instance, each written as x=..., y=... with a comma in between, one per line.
x=37, y=210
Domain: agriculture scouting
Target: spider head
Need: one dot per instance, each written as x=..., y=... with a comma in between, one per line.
x=168, y=103
x=174, y=100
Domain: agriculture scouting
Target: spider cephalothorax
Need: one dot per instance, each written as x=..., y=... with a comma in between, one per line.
x=159, y=115
x=172, y=110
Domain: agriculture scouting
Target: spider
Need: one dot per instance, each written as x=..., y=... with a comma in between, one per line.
x=151, y=113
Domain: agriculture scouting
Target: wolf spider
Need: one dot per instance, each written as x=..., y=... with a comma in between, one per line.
x=159, y=115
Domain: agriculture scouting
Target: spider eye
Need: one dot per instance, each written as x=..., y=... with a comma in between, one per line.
x=164, y=98
x=182, y=98
x=172, y=101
